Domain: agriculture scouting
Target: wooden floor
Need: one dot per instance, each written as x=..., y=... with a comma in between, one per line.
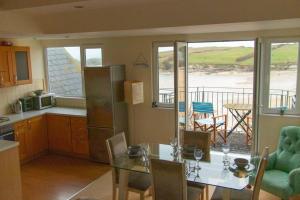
x=54, y=177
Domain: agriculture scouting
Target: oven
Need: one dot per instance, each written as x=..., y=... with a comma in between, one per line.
x=7, y=132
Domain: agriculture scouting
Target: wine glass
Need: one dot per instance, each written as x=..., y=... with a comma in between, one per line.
x=226, y=149
x=198, y=154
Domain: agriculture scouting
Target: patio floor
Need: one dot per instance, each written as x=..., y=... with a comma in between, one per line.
x=237, y=141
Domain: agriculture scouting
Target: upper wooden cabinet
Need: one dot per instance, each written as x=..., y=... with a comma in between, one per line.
x=22, y=65
x=6, y=69
x=15, y=66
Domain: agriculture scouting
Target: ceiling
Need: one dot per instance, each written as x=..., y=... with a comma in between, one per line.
x=104, y=18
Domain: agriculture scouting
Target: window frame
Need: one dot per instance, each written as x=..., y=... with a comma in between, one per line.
x=266, y=63
x=82, y=65
x=83, y=54
x=155, y=46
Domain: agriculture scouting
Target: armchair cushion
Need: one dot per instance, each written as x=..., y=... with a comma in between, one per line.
x=288, y=152
x=277, y=182
x=294, y=177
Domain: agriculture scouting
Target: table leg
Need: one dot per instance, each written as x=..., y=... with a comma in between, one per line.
x=123, y=183
x=226, y=193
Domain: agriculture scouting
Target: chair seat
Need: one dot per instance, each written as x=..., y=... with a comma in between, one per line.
x=234, y=195
x=210, y=121
x=277, y=182
x=139, y=181
x=193, y=193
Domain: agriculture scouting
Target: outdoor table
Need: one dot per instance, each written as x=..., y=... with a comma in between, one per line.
x=211, y=173
x=240, y=112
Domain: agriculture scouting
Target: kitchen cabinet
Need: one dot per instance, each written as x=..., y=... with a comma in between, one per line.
x=15, y=66
x=21, y=65
x=80, y=143
x=32, y=137
x=59, y=133
x=21, y=130
x=6, y=67
x=38, y=140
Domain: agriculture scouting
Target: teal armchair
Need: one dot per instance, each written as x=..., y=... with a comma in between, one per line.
x=282, y=175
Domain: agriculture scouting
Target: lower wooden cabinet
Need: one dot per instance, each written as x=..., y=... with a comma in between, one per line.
x=38, y=140
x=80, y=143
x=32, y=136
x=68, y=134
x=59, y=133
x=21, y=130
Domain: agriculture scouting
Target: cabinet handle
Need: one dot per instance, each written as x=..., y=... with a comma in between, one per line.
x=29, y=125
x=15, y=79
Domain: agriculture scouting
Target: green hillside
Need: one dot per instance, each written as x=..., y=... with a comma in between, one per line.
x=238, y=56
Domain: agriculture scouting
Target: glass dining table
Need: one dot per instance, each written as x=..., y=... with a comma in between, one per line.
x=210, y=173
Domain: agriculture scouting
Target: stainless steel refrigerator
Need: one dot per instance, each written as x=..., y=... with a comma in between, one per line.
x=106, y=108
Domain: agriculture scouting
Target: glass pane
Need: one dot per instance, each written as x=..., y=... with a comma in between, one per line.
x=22, y=65
x=283, y=75
x=64, y=71
x=166, y=74
x=93, y=57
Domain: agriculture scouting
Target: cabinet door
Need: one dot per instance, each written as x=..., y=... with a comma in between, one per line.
x=59, y=133
x=6, y=70
x=21, y=131
x=38, y=135
x=22, y=65
x=80, y=136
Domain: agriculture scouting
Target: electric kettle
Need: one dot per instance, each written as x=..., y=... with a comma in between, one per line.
x=16, y=107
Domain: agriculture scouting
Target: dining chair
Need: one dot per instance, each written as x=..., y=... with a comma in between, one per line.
x=169, y=181
x=247, y=194
x=206, y=120
x=199, y=139
x=137, y=182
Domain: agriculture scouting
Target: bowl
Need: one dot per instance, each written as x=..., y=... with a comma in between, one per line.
x=241, y=163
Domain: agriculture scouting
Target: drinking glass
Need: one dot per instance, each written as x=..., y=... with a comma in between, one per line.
x=198, y=154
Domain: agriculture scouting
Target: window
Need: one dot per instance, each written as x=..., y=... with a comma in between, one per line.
x=92, y=56
x=163, y=62
x=64, y=68
x=281, y=76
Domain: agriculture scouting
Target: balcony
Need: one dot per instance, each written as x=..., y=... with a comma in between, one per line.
x=220, y=96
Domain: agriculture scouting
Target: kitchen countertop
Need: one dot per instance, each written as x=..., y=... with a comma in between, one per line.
x=5, y=145
x=13, y=118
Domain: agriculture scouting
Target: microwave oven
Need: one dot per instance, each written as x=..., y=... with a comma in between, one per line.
x=43, y=101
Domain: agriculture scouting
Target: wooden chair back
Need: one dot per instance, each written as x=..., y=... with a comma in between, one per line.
x=116, y=146
x=199, y=139
x=260, y=173
x=168, y=179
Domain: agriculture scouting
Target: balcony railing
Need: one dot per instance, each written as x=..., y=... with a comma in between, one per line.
x=220, y=96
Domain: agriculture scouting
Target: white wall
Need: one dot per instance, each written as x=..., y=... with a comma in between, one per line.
x=154, y=124
x=11, y=94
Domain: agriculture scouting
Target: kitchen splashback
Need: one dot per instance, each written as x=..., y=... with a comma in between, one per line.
x=11, y=94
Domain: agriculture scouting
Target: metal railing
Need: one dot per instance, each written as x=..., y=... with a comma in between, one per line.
x=220, y=96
